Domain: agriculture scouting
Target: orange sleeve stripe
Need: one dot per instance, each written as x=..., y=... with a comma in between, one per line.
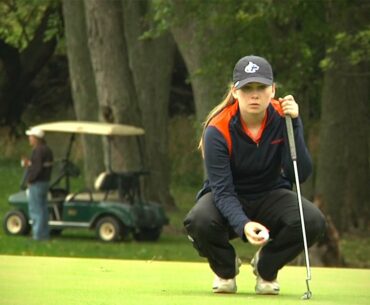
x=221, y=122
x=277, y=107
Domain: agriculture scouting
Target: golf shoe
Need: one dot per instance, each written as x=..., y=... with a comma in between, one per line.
x=262, y=286
x=221, y=285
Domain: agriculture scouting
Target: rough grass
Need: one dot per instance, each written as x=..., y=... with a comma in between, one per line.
x=60, y=281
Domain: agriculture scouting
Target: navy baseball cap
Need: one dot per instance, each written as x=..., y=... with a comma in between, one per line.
x=252, y=69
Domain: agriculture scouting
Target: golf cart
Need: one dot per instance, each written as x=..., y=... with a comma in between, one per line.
x=115, y=209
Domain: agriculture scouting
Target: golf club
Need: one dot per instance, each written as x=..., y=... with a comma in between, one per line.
x=288, y=120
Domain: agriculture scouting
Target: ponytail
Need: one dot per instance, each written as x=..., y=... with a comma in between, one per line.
x=228, y=100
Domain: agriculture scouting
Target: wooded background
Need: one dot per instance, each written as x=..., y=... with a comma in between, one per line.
x=141, y=62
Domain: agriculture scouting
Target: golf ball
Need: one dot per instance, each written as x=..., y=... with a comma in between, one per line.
x=264, y=234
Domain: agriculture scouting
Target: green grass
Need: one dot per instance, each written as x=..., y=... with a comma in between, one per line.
x=60, y=281
x=172, y=246
x=81, y=243
x=75, y=268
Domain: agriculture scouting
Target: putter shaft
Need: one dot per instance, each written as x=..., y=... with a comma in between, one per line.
x=293, y=153
x=308, y=269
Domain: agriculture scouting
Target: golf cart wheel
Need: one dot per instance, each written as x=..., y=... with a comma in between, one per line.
x=15, y=223
x=109, y=229
x=148, y=234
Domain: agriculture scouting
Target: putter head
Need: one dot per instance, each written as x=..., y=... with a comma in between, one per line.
x=307, y=295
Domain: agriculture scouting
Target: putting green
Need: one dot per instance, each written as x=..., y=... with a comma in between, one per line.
x=69, y=281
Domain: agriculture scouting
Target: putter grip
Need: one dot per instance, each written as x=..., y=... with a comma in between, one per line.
x=289, y=127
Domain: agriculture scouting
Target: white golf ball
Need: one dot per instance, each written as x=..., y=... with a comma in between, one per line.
x=264, y=234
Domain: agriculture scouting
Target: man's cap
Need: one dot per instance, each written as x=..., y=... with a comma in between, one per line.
x=252, y=69
x=36, y=132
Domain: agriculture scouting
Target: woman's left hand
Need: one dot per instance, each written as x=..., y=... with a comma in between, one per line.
x=289, y=106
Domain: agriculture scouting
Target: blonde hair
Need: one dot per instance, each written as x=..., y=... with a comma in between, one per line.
x=227, y=101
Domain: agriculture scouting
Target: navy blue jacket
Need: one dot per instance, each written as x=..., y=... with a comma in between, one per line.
x=237, y=166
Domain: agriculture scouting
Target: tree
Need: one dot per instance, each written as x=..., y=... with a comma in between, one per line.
x=27, y=41
x=193, y=39
x=151, y=61
x=133, y=77
x=113, y=78
x=213, y=35
x=343, y=165
x=83, y=84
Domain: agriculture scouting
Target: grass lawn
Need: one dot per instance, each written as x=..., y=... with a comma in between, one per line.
x=75, y=268
x=172, y=246
x=59, y=281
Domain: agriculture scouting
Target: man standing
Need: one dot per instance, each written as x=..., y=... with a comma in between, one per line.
x=38, y=176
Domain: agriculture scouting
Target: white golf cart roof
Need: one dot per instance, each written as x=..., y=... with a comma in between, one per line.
x=97, y=128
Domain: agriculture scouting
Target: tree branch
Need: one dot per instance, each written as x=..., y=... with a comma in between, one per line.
x=34, y=57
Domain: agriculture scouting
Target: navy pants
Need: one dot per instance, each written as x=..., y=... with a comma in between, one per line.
x=278, y=211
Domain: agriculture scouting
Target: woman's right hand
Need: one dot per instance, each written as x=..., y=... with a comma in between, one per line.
x=251, y=230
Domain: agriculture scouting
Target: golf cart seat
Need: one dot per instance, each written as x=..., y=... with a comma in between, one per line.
x=122, y=186
x=105, y=186
x=106, y=181
x=127, y=183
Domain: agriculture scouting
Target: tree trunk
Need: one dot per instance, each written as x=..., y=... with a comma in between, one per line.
x=343, y=164
x=20, y=68
x=83, y=84
x=151, y=61
x=10, y=71
x=343, y=168
x=114, y=82
x=191, y=39
x=192, y=43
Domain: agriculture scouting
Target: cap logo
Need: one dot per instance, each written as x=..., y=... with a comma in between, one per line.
x=251, y=67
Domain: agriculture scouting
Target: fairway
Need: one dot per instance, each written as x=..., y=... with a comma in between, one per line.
x=61, y=281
